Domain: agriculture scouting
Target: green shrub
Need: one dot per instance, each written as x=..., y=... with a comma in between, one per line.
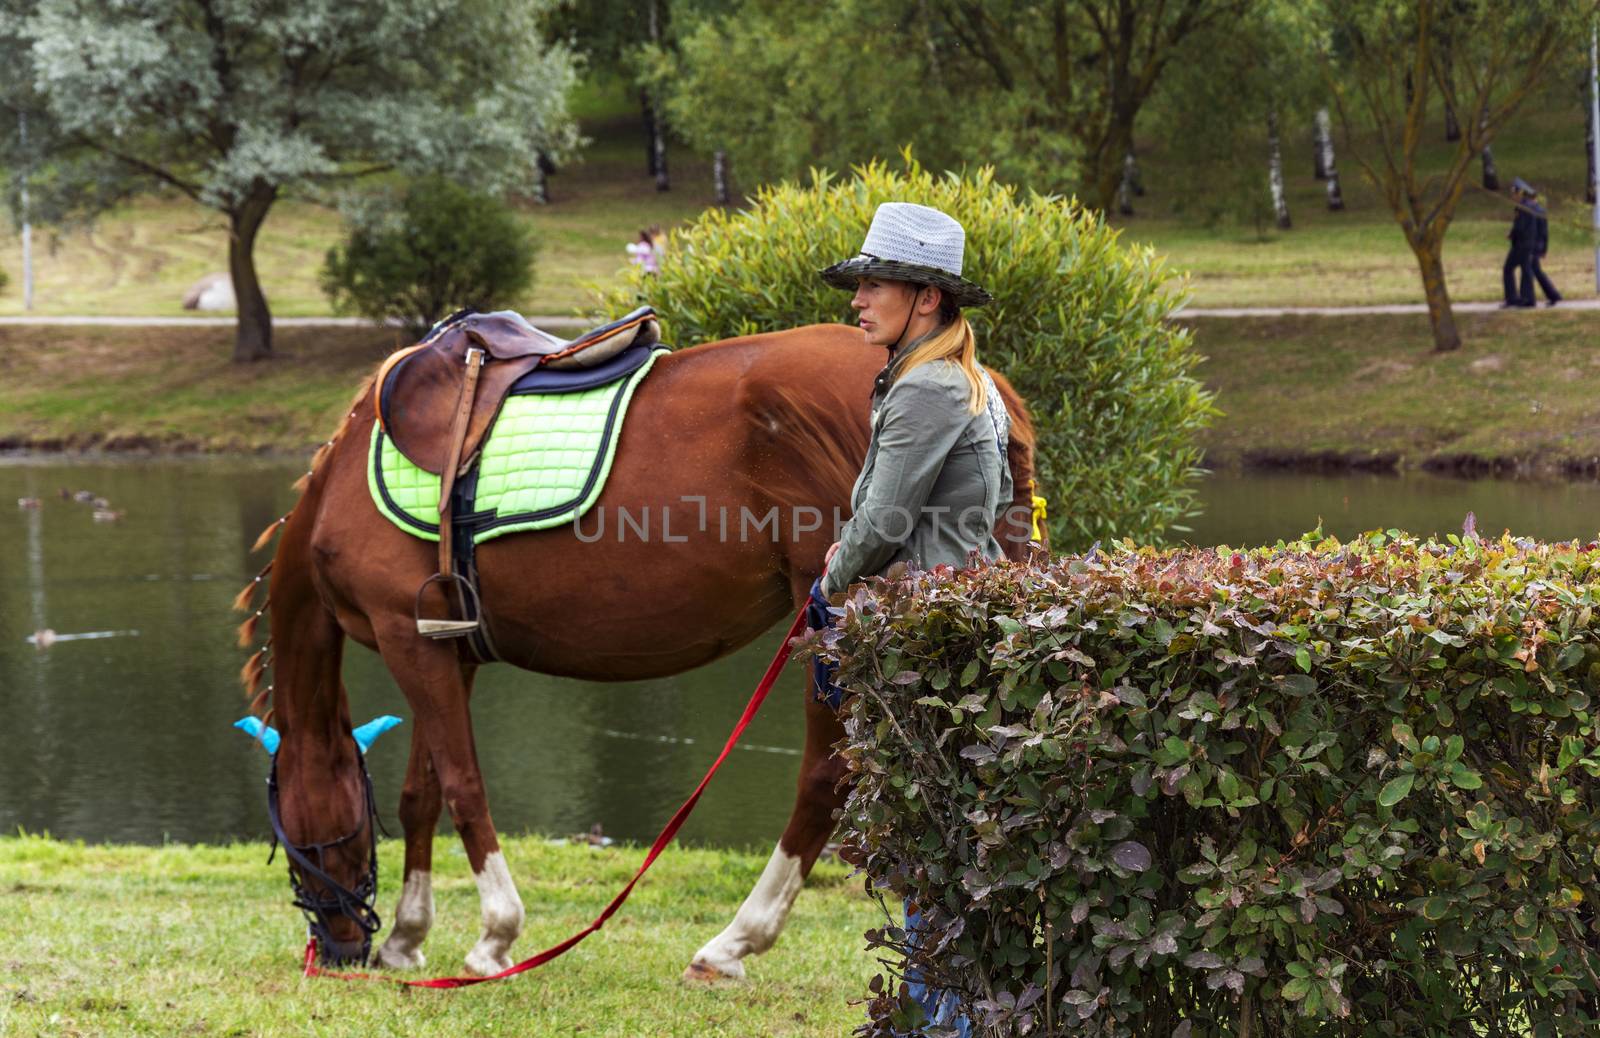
x=1315, y=789
x=440, y=248
x=1078, y=325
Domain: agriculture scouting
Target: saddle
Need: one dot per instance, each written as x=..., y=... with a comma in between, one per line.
x=419, y=390
x=437, y=400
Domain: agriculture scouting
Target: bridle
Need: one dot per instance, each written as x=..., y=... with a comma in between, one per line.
x=357, y=905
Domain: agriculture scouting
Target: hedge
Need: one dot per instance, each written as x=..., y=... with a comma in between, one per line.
x=1078, y=324
x=1314, y=789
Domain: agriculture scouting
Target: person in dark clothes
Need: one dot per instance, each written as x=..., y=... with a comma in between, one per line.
x=1541, y=245
x=1524, y=240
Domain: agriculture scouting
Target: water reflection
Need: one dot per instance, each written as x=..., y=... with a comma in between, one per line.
x=121, y=729
x=128, y=738
x=1259, y=508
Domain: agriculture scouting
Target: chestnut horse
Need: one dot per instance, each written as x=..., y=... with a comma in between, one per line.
x=773, y=424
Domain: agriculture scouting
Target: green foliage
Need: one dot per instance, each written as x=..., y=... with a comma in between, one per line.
x=4, y=279
x=441, y=248
x=1078, y=325
x=1315, y=789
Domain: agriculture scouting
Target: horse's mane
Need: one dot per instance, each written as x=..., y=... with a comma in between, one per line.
x=255, y=668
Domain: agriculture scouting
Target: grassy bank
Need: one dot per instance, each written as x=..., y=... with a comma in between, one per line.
x=176, y=389
x=1352, y=386
x=203, y=941
x=1522, y=389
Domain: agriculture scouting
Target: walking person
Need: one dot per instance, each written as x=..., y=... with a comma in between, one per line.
x=1524, y=240
x=1541, y=245
x=935, y=474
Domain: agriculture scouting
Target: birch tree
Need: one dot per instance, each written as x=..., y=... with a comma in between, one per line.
x=1499, y=53
x=1328, y=164
x=1280, y=204
x=237, y=104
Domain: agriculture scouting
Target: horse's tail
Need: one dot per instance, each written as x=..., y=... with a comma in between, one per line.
x=253, y=675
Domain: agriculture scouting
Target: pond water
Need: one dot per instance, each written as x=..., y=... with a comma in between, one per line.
x=120, y=730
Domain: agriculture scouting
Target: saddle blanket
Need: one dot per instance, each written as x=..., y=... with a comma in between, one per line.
x=543, y=464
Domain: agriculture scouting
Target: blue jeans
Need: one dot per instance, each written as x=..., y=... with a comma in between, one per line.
x=941, y=1007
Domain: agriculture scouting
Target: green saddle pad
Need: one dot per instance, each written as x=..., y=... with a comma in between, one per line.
x=543, y=464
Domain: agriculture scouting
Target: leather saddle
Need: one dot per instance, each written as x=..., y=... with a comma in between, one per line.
x=418, y=390
x=437, y=401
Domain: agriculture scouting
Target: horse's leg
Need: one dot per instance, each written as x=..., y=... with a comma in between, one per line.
x=759, y=921
x=437, y=686
x=420, y=804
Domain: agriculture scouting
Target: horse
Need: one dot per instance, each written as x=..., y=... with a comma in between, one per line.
x=755, y=426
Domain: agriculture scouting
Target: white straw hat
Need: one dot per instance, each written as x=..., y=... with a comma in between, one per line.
x=915, y=243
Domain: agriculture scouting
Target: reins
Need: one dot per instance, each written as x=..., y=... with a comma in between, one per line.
x=311, y=969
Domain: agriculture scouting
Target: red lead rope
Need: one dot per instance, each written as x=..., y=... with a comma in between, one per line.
x=767, y=680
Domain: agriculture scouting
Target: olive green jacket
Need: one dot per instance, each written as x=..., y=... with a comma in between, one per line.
x=934, y=478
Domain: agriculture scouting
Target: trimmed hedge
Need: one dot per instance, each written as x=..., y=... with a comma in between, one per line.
x=1313, y=789
x=1078, y=325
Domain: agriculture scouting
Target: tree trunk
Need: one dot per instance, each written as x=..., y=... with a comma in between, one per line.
x=658, y=139
x=1330, y=168
x=1452, y=125
x=1106, y=163
x=252, y=339
x=1491, y=176
x=662, y=183
x=1588, y=153
x=1431, y=261
x=719, y=173
x=1125, y=190
x=1319, y=150
x=1280, y=204
x=649, y=118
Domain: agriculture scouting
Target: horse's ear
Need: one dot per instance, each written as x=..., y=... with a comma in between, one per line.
x=264, y=734
x=368, y=733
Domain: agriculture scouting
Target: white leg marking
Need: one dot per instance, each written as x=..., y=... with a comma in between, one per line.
x=759, y=921
x=413, y=918
x=502, y=917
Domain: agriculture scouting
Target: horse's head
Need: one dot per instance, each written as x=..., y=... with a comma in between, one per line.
x=320, y=803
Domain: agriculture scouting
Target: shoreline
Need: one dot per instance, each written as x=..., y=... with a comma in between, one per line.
x=1465, y=466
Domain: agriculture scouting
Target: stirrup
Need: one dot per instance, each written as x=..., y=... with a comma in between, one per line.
x=439, y=629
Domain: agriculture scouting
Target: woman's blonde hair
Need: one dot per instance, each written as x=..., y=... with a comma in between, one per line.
x=955, y=343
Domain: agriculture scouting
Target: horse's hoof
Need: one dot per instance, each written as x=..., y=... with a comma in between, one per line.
x=397, y=958
x=702, y=972
x=483, y=964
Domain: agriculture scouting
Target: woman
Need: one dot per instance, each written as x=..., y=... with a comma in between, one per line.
x=935, y=474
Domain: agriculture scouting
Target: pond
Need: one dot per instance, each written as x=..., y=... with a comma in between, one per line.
x=120, y=730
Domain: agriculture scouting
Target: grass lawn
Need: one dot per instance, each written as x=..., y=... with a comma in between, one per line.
x=180, y=940
x=1359, y=255
x=1523, y=386
x=140, y=259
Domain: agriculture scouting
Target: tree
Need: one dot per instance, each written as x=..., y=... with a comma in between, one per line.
x=436, y=249
x=1048, y=92
x=1384, y=60
x=236, y=105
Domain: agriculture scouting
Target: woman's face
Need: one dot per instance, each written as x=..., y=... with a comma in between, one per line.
x=882, y=307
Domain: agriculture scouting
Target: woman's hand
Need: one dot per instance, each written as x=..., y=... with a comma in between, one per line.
x=833, y=549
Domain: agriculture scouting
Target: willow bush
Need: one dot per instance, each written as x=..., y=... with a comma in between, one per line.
x=1078, y=324
x=1314, y=789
